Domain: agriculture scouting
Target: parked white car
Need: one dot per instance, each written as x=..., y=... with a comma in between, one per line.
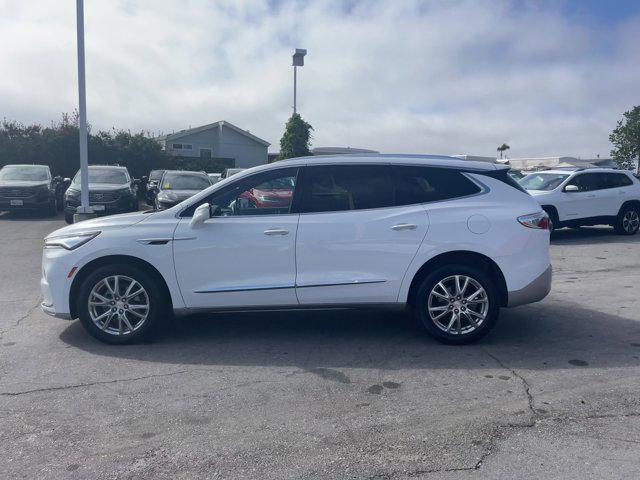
x=592, y=196
x=455, y=239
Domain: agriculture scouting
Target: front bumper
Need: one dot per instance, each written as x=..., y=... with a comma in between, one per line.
x=50, y=310
x=28, y=203
x=55, y=283
x=533, y=292
x=122, y=205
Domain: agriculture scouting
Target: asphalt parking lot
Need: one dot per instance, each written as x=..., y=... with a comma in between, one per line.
x=552, y=392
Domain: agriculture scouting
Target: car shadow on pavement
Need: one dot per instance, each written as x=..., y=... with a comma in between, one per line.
x=541, y=336
x=29, y=215
x=590, y=235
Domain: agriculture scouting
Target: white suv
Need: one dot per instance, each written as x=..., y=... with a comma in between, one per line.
x=455, y=239
x=592, y=196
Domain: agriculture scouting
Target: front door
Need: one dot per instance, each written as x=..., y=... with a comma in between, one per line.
x=585, y=202
x=244, y=255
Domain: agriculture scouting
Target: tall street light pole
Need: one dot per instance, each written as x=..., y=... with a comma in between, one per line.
x=298, y=61
x=84, y=211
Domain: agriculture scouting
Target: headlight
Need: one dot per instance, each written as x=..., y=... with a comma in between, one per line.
x=71, y=193
x=165, y=195
x=71, y=241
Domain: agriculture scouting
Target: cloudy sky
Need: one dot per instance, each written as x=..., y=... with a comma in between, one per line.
x=547, y=77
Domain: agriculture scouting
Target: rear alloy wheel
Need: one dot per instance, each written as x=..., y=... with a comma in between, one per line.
x=120, y=304
x=458, y=304
x=628, y=221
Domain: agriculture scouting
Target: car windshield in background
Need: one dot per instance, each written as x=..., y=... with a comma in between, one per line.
x=104, y=175
x=184, y=181
x=25, y=174
x=543, y=181
x=156, y=175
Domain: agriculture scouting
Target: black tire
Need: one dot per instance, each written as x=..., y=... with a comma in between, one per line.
x=158, y=308
x=68, y=217
x=628, y=220
x=52, y=208
x=553, y=218
x=445, y=272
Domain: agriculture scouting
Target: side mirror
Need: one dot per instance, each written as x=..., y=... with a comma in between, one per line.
x=66, y=182
x=202, y=213
x=57, y=179
x=571, y=188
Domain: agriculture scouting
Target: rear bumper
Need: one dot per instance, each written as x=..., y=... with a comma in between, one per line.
x=533, y=292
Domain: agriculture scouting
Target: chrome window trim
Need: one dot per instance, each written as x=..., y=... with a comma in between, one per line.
x=253, y=288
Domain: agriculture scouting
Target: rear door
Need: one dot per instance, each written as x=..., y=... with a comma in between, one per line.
x=616, y=189
x=354, y=244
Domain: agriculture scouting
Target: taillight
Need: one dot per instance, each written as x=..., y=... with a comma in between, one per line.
x=538, y=220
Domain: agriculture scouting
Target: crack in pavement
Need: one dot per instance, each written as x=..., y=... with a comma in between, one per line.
x=29, y=312
x=525, y=384
x=90, y=384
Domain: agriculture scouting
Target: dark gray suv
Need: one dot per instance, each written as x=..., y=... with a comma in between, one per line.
x=30, y=187
x=111, y=191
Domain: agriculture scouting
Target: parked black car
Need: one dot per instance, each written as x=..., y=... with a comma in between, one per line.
x=111, y=190
x=30, y=187
x=152, y=182
x=178, y=185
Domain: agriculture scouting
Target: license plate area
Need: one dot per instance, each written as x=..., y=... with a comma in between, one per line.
x=17, y=203
x=98, y=208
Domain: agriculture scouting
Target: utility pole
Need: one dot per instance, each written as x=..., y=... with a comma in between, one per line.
x=298, y=61
x=84, y=211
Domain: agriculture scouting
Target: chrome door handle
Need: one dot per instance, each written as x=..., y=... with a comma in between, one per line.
x=276, y=231
x=404, y=226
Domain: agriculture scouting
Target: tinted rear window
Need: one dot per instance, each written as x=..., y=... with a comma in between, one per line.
x=427, y=184
x=334, y=188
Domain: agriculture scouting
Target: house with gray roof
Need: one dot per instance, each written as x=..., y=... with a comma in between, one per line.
x=220, y=141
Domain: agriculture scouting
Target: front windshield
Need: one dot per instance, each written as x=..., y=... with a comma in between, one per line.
x=156, y=175
x=543, y=181
x=24, y=173
x=104, y=175
x=185, y=181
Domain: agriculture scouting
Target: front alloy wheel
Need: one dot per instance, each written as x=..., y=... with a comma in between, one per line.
x=118, y=305
x=121, y=303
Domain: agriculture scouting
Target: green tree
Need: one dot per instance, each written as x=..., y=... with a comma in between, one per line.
x=626, y=139
x=503, y=148
x=296, y=139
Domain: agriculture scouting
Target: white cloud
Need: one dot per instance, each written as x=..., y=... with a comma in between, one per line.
x=428, y=77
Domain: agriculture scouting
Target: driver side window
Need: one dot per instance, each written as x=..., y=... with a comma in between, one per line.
x=269, y=193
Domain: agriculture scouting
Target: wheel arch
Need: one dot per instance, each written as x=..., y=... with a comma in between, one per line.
x=465, y=257
x=110, y=260
x=633, y=203
x=551, y=210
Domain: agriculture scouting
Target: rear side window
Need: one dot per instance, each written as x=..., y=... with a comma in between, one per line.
x=427, y=184
x=616, y=180
x=334, y=188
